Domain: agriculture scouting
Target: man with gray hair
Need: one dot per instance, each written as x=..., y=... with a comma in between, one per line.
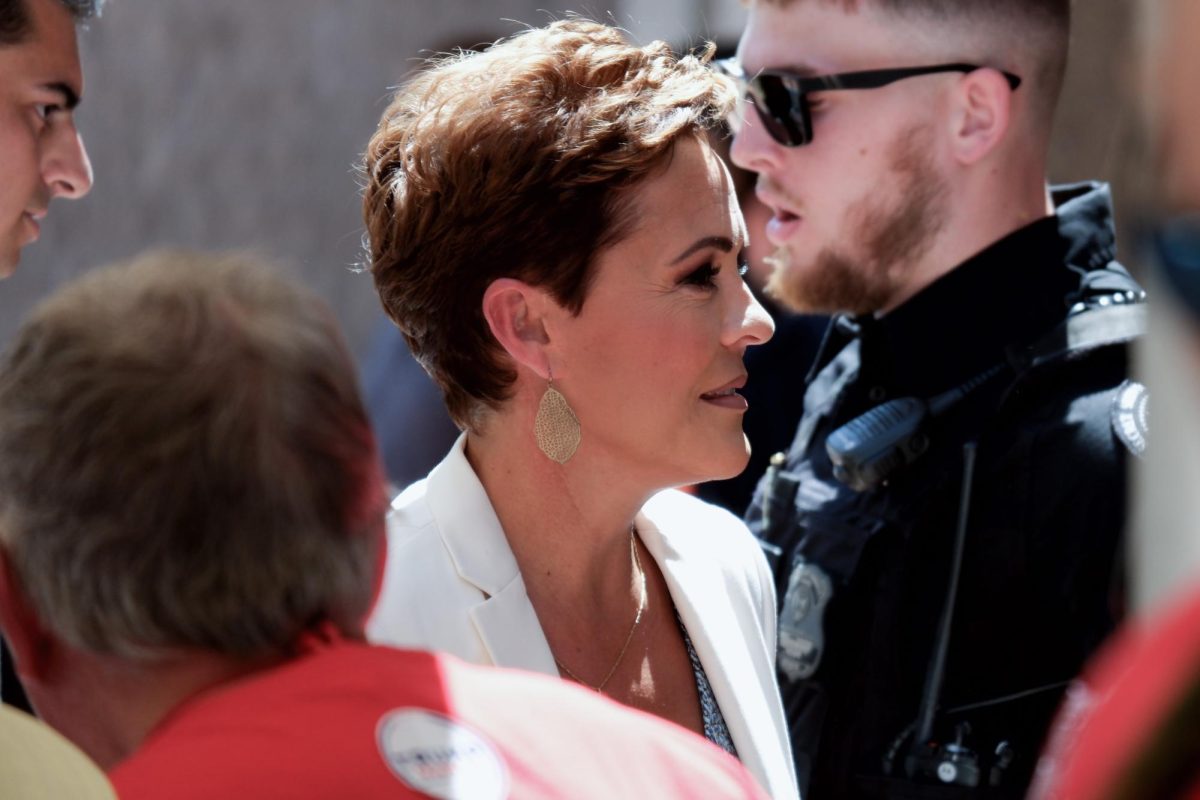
x=191, y=534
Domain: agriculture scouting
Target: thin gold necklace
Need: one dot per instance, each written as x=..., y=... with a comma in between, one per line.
x=637, y=564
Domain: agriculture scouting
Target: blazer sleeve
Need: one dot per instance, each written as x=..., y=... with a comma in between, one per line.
x=768, y=619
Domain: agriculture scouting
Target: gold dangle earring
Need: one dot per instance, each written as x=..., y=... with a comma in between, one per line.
x=556, y=426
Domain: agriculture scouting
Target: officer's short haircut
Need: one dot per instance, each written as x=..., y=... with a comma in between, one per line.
x=1029, y=37
x=15, y=23
x=186, y=463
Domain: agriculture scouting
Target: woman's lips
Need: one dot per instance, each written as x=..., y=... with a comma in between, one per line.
x=726, y=398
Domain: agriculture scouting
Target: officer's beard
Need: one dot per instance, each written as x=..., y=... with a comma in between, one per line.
x=892, y=234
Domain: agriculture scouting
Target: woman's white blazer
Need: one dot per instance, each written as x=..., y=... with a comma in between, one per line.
x=451, y=583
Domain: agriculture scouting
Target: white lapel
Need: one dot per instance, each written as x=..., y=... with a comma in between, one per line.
x=724, y=630
x=504, y=618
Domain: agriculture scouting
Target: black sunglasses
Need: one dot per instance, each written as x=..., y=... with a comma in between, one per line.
x=781, y=98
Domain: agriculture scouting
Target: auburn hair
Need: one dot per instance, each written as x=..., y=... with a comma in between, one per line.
x=515, y=162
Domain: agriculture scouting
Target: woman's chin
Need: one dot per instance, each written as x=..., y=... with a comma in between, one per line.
x=730, y=462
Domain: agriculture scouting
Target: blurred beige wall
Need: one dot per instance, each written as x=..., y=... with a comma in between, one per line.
x=1098, y=133
x=1165, y=526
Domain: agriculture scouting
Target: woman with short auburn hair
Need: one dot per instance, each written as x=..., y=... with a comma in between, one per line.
x=561, y=248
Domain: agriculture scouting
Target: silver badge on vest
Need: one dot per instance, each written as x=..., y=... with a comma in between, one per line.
x=801, y=631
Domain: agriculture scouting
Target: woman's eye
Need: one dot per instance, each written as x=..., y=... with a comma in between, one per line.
x=704, y=276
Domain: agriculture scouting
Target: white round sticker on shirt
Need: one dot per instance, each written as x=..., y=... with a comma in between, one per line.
x=440, y=757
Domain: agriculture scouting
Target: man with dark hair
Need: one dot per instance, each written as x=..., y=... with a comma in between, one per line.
x=191, y=535
x=946, y=525
x=17, y=19
x=41, y=154
x=41, y=82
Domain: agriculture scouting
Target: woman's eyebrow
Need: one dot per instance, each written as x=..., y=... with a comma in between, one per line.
x=722, y=243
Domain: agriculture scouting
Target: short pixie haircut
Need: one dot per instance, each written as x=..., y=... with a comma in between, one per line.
x=186, y=463
x=514, y=163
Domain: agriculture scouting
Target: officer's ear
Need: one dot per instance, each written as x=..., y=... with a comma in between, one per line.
x=981, y=111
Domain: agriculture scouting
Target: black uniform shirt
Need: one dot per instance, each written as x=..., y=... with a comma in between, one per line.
x=1046, y=512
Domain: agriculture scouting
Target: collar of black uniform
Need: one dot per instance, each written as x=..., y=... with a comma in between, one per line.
x=1013, y=292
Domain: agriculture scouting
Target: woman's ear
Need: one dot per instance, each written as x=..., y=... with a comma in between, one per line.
x=515, y=312
x=982, y=112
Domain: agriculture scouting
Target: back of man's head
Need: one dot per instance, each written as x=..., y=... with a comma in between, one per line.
x=15, y=23
x=1029, y=37
x=185, y=463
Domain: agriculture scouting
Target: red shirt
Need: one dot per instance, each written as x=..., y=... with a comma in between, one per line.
x=356, y=721
x=1129, y=729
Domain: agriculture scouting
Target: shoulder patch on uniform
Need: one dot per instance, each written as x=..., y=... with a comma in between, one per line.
x=1131, y=416
x=441, y=757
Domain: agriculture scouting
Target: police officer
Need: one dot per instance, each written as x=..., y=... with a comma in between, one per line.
x=947, y=522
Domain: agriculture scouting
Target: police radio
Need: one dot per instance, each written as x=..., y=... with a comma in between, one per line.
x=870, y=447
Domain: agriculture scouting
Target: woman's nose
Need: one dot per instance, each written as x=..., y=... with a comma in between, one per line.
x=753, y=325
